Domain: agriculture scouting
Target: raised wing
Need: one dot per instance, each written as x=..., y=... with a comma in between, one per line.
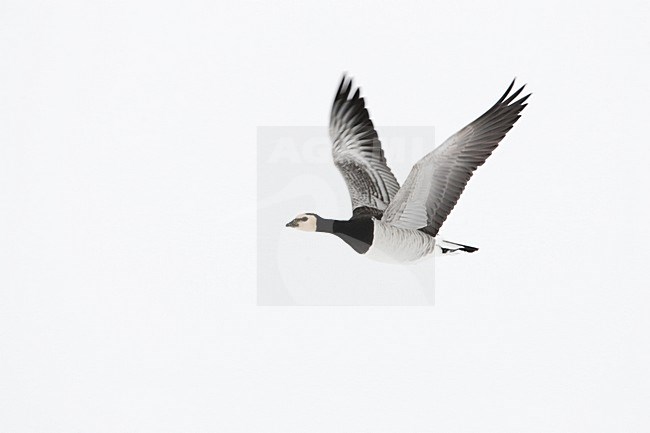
x=437, y=180
x=357, y=151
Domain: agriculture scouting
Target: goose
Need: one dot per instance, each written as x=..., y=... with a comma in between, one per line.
x=397, y=224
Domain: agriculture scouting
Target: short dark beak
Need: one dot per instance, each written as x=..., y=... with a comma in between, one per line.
x=292, y=223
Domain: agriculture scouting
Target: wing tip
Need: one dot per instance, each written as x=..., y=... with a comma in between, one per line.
x=509, y=98
x=345, y=86
x=507, y=92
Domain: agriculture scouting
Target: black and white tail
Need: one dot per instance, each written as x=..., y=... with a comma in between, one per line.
x=447, y=248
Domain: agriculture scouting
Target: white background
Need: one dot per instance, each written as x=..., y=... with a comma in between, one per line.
x=127, y=216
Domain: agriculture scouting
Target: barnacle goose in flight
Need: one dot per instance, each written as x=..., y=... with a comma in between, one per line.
x=396, y=224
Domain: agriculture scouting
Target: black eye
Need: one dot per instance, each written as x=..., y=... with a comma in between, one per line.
x=304, y=219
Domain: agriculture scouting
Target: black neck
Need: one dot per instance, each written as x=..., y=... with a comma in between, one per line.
x=325, y=225
x=357, y=233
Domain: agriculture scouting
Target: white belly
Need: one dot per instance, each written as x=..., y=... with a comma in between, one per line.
x=395, y=245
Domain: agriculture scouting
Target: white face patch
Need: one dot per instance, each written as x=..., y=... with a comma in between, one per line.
x=306, y=223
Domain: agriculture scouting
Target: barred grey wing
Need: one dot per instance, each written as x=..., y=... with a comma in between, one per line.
x=436, y=181
x=357, y=151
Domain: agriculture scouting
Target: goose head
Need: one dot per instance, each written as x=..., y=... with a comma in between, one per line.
x=306, y=222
